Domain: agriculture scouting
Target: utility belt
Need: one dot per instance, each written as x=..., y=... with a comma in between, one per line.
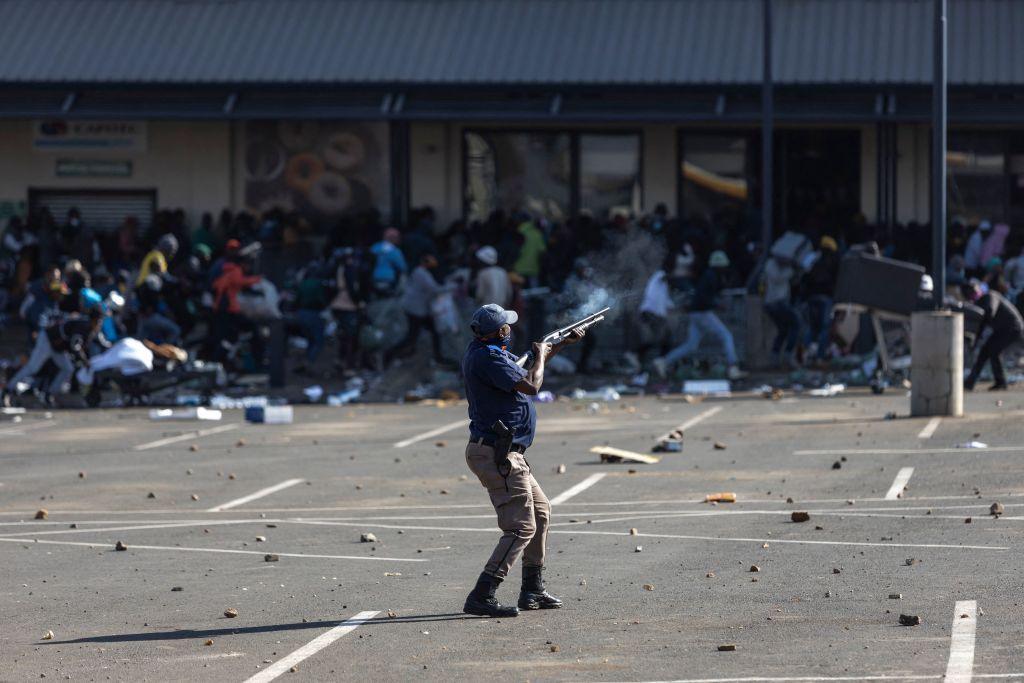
x=514, y=448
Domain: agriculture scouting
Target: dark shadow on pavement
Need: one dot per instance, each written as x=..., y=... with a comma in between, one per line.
x=185, y=634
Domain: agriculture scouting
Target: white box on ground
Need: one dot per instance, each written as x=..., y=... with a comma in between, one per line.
x=707, y=387
x=271, y=415
x=199, y=413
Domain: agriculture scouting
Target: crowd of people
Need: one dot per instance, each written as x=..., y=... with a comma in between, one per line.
x=207, y=290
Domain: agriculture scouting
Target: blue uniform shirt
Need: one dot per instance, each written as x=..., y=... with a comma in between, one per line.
x=491, y=375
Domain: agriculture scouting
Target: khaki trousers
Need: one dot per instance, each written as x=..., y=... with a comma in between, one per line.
x=523, y=509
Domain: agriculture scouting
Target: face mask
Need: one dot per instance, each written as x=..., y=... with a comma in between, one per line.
x=505, y=342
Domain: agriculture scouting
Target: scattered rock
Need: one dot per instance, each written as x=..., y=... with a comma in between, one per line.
x=851, y=502
x=967, y=521
x=996, y=509
x=367, y=538
x=648, y=586
x=828, y=594
x=150, y=495
x=271, y=526
x=800, y=516
x=42, y=513
x=72, y=526
x=443, y=492
x=910, y=620
x=81, y=475
x=188, y=471
x=231, y=475
x=208, y=643
x=764, y=545
x=789, y=500
x=194, y=497
x=177, y=589
x=710, y=575
x=639, y=549
x=392, y=614
x=48, y=635
x=261, y=539
x=719, y=446
x=633, y=531
x=819, y=528
x=754, y=568
x=895, y=596
x=194, y=448
x=120, y=546
x=837, y=570
x=912, y=561
x=560, y=469
x=555, y=648
x=837, y=465
x=271, y=557
x=727, y=647
x=293, y=669
x=239, y=443
x=441, y=444
x=231, y=613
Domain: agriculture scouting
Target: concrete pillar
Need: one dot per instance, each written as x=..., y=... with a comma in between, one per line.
x=937, y=363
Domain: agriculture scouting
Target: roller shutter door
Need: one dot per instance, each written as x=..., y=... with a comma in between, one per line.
x=100, y=209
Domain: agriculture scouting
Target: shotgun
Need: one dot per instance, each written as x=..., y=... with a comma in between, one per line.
x=561, y=333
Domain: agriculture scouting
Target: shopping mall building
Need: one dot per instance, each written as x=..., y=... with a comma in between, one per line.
x=556, y=106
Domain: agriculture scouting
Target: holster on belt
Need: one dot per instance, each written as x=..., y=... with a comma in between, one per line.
x=502, y=446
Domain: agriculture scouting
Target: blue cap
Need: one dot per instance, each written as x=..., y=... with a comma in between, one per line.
x=488, y=319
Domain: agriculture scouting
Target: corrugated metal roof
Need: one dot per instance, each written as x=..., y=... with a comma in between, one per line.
x=643, y=42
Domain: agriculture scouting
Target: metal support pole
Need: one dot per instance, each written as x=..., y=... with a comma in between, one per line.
x=767, y=128
x=939, y=152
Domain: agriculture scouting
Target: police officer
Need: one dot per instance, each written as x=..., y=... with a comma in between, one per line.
x=497, y=390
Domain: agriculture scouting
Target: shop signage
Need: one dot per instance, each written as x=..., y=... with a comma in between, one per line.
x=60, y=135
x=94, y=168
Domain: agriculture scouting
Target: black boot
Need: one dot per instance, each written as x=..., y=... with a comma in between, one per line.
x=533, y=595
x=482, y=602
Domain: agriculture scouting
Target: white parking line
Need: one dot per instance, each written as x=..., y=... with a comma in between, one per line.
x=22, y=428
x=185, y=437
x=215, y=550
x=910, y=451
x=423, y=527
x=930, y=428
x=258, y=494
x=582, y=486
x=693, y=421
x=433, y=432
x=899, y=483
x=961, y=642
x=312, y=647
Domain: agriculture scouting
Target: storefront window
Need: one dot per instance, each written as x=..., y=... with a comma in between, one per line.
x=319, y=169
x=717, y=178
x=513, y=171
x=610, y=174
x=977, y=187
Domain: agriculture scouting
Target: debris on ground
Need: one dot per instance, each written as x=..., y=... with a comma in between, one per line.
x=271, y=557
x=392, y=573
x=120, y=546
x=799, y=516
x=754, y=568
x=639, y=549
x=633, y=531
x=967, y=521
x=710, y=575
x=177, y=589
x=895, y=596
x=837, y=570
x=441, y=444
x=208, y=643
x=719, y=446
x=996, y=509
x=367, y=538
x=611, y=454
x=261, y=539
x=837, y=465
x=602, y=394
x=194, y=448
x=81, y=475
x=891, y=415
x=724, y=497
x=543, y=397
x=231, y=613
x=392, y=614
x=828, y=390
x=48, y=635
x=670, y=443
x=555, y=648
x=194, y=497
x=150, y=495
x=727, y=647
x=560, y=469
x=198, y=413
x=42, y=513
x=314, y=393
x=707, y=387
x=910, y=620
x=912, y=561
x=271, y=415
x=648, y=586
x=240, y=443
x=973, y=444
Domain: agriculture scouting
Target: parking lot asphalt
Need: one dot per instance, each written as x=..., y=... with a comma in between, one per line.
x=654, y=579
